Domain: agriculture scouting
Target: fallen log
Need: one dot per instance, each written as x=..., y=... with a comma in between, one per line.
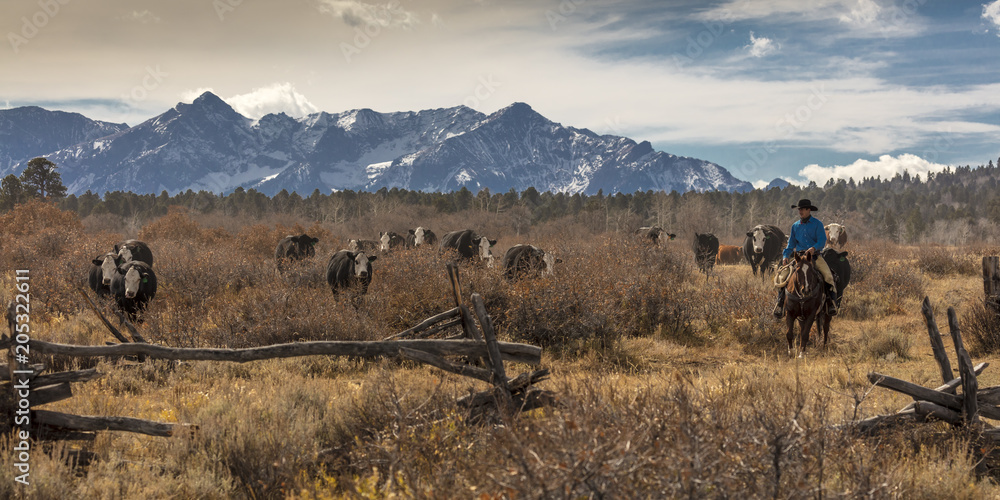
x=50, y=394
x=427, y=323
x=927, y=409
x=935, y=337
x=970, y=385
x=72, y=376
x=444, y=364
x=922, y=393
x=951, y=385
x=522, y=353
x=90, y=423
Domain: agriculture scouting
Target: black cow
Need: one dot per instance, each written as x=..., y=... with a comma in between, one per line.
x=102, y=272
x=389, y=240
x=130, y=250
x=762, y=248
x=133, y=286
x=293, y=248
x=654, y=235
x=420, y=236
x=841, y=269
x=524, y=260
x=366, y=246
x=347, y=269
x=469, y=244
x=706, y=248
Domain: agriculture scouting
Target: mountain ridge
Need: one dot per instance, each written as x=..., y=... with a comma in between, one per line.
x=207, y=145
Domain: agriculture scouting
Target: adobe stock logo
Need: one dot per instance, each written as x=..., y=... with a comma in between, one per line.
x=379, y=20
x=31, y=26
x=786, y=126
x=484, y=90
x=150, y=82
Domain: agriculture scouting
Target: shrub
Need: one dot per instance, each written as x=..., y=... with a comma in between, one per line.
x=939, y=262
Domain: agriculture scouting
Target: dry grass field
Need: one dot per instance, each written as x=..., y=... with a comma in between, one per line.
x=670, y=385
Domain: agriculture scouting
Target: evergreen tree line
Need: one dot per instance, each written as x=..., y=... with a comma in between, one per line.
x=953, y=206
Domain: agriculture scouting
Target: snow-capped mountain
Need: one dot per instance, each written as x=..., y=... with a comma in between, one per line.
x=30, y=131
x=206, y=145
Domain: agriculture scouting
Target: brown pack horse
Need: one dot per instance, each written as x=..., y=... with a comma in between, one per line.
x=804, y=301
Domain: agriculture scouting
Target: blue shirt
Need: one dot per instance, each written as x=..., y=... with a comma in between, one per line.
x=804, y=235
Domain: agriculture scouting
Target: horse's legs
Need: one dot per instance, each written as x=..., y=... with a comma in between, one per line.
x=807, y=325
x=790, y=334
x=826, y=328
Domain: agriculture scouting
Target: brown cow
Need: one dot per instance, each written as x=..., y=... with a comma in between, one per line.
x=729, y=254
x=836, y=236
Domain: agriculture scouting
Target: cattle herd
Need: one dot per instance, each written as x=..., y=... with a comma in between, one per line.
x=126, y=272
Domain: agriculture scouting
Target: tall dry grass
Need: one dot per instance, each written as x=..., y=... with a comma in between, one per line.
x=670, y=383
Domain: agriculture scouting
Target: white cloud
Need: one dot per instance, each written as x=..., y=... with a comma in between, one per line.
x=991, y=13
x=761, y=184
x=359, y=14
x=762, y=46
x=863, y=13
x=885, y=167
x=857, y=18
x=275, y=98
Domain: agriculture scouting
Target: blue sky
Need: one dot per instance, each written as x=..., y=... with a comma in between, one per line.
x=798, y=89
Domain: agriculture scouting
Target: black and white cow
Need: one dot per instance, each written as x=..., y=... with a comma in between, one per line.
x=101, y=273
x=420, y=236
x=366, y=246
x=706, y=248
x=655, y=235
x=292, y=248
x=762, y=248
x=347, y=269
x=130, y=250
x=524, y=260
x=468, y=244
x=389, y=240
x=133, y=286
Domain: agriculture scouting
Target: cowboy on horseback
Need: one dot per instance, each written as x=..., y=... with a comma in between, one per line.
x=807, y=235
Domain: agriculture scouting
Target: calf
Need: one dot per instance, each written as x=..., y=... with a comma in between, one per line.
x=130, y=250
x=133, y=286
x=729, y=254
x=524, y=260
x=347, y=269
x=468, y=244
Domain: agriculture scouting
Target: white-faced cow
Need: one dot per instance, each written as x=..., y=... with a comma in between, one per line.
x=655, y=235
x=836, y=236
x=762, y=248
x=130, y=250
x=389, y=240
x=133, y=286
x=468, y=244
x=706, y=248
x=420, y=236
x=292, y=248
x=366, y=246
x=526, y=260
x=348, y=269
x=101, y=273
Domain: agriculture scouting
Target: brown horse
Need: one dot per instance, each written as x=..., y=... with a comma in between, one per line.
x=804, y=299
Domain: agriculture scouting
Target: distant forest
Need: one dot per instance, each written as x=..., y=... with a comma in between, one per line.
x=956, y=206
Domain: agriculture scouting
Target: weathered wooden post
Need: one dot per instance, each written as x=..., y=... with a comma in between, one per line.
x=970, y=386
x=991, y=282
x=935, y=337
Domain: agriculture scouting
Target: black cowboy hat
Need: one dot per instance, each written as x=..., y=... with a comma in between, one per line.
x=805, y=203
